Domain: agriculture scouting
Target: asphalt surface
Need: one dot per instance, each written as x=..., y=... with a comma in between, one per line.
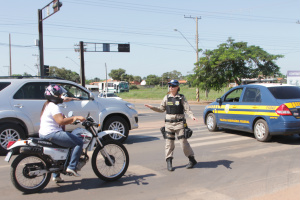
x=231, y=166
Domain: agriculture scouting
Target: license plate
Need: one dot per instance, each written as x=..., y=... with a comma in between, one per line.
x=8, y=156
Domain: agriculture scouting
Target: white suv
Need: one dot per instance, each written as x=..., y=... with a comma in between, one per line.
x=22, y=100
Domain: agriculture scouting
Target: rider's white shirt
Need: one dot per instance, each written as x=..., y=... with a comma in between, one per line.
x=48, y=124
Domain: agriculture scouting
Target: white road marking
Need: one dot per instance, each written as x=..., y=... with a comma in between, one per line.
x=257, y=152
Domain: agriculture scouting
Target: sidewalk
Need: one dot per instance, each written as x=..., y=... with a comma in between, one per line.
x=290, y=193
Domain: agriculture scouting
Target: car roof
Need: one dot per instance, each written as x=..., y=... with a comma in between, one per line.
x=34, y=79
x=270, y=85
x=20, y=80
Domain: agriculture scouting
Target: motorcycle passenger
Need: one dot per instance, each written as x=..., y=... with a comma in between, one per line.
x=175, y=105
x=52, y=127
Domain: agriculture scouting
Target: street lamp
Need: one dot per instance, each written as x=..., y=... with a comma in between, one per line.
x=197, y=52
x=73, y=61
x=31, y=68
x=186, y=39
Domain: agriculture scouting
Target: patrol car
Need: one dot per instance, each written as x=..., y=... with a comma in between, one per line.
x=262, y=109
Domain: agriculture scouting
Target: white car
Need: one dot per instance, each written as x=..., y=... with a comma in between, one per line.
x=109, y=95
x=22, y=100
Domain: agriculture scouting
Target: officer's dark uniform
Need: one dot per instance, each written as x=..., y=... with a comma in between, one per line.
x=175, y=107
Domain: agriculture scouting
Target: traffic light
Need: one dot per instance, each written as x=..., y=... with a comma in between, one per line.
x=123, y=47
x=56, y=5
x=106, y=47
x=46, y=70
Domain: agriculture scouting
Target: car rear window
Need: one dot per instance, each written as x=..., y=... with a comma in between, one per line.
x=285, y=92
x=4, y=85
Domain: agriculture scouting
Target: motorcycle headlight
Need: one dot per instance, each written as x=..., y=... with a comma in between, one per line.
x=130, y=105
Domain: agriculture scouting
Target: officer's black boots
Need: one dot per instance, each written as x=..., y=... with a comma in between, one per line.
x=169, y=164
x=192, y=162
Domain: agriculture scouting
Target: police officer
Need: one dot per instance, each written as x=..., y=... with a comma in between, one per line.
x=175, y=105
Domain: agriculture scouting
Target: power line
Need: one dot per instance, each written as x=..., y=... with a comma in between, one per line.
x=179, y=11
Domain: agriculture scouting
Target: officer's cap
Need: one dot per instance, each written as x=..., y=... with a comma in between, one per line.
x=174, y=82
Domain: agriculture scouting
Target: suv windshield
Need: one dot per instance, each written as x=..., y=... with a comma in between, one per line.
x=285, y=92
x=4, y=85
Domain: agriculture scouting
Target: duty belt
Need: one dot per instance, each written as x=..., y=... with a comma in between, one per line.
x=175, y=120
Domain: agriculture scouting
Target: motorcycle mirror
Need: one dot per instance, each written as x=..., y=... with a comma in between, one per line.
x=70, y=114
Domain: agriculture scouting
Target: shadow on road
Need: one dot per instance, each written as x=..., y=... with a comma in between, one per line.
x=215, y=164
x=211, y=164
x=281, y=139
x=286, y=139
x=140, y=138
x=95, y=183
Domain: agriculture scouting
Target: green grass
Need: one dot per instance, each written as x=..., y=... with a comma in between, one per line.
x=157, y=93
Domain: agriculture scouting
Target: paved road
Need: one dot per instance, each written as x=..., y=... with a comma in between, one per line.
x=231, y=166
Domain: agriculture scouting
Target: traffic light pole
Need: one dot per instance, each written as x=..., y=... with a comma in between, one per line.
x=55, y=6
x=97, y=47
x=82, y=76
x=41, y=47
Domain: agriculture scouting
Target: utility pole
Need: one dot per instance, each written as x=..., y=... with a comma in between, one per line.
x=105, y=81
x=197, y=37
x=37, y=64
x=10, y=69
x=197, y=49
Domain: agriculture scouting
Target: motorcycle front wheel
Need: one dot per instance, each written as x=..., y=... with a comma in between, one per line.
x=114, y=168
x=21, y=177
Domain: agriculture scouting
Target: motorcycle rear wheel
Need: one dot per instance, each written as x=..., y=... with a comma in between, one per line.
x=20, y=177
x=101, y=165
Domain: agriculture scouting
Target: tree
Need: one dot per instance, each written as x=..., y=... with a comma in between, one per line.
x=96, y=79
x=126, y=77
x=65, y=74
x=24, y=74
x=116, y=73
x=137, y=78
x=167, y=76
x=230, y=63
x=152, y=80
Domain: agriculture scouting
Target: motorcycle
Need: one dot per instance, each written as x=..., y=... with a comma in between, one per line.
x=31, y=169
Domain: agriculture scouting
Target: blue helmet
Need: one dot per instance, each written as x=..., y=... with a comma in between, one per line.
x=174, y=82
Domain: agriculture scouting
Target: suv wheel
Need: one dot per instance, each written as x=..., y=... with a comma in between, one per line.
x=10, y=132
x=118, y=124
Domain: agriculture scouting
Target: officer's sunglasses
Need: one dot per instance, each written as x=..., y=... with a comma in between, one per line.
x=173, y=86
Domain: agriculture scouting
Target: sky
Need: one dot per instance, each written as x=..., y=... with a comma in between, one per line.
x=155, y=48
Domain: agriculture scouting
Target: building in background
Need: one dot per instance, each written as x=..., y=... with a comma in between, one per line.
x=293, y=77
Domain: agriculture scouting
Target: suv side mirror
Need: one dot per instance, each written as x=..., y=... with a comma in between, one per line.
x=70, y=114
x=91, y=97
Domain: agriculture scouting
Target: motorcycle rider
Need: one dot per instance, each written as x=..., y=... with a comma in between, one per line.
x=52, y=127
x=175, y=105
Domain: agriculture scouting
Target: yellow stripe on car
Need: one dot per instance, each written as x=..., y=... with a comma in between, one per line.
x=247, y=113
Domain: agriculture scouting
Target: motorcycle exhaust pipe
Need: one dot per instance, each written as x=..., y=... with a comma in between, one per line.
x=31, y=150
